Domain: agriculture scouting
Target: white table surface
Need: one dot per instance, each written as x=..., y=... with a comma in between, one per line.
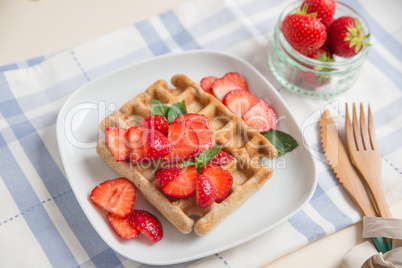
x=31, y=28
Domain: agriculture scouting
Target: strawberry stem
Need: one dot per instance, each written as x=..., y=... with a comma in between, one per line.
x=304, y=11
x=355, y=36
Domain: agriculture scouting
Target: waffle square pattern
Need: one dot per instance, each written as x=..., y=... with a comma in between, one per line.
x=245, y=144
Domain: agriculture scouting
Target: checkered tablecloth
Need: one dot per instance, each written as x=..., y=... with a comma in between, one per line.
x=41, y=223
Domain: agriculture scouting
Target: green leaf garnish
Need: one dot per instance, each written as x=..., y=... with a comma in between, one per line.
x=170, y=113
x=159, y=108
x=282, y=141
x=207, y=155
x=188, y=163
x=176, y=110
x=203, y=159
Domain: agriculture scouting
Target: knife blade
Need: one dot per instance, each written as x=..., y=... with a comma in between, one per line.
x=338, y=157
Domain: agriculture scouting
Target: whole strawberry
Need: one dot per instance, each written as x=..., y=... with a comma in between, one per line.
x=322, y=54
x=325, y=10
x=314, y=79
x=345, y=37
x=305, y=33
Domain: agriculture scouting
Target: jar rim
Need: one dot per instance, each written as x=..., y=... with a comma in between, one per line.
x=301, y=59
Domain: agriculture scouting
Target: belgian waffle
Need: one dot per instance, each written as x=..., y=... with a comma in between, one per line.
x=244, y=143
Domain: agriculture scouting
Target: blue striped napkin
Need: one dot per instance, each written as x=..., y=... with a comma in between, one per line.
x=41, y=222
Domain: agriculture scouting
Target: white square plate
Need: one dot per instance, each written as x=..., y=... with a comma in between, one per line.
x=290, y=188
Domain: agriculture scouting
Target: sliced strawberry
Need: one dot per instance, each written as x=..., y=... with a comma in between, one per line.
x=116, y=141
x=206, y=83
x=147, y=224
x=194, y=117
x=221, y=158
x=165, y=175
x=205, y=192
x=238, y=79
x=261, y=117
x=116, y=196
x=204, y=135
x=157, y=122
x=223, y=86
x=122, y=227
x=158, y=145
x=184, y=141
x=137, y=142
x=221, y=179
x=239, y=101
x=184, y=184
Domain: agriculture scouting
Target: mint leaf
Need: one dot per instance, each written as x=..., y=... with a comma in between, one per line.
x=282, y=141
x=207, y=155
x=170, y=113
x=203, y=159
x=188, y=163
x=176, y=110
x=159, y=108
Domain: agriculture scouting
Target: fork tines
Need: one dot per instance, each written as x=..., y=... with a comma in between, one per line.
x=364, y=137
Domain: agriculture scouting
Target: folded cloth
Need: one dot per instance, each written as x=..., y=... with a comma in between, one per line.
x=365, y=255
x=41, y=222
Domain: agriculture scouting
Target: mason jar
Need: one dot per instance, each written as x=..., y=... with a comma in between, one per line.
x=311, y=77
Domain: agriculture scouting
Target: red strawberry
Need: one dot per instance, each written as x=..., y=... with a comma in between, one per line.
x=238, y=79
x=261, y=117
x=158, y=145
x=206, y=193
x=305, y=33
x=194, y=117
x=221, y=158
x=322, y=54
x=116, y=141
x=222, y=86
x=184, y=184
x=137, y=142
x=147, y=224
x=116, y=196
x=239, y=101
x=221, y=179
x=313, y=79
x=157, y=122
x=165, y=175
x=345, y=37
x=325, y=9
x=184, y=141
x=122, y=227
x=206, y=83
x=204, y=136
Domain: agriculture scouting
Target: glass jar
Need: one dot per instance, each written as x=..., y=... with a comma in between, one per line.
x=310, y=77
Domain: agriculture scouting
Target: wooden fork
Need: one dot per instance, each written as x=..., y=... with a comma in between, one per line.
x=366, y=157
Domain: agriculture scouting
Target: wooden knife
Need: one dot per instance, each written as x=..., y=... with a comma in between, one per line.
x=338, y=158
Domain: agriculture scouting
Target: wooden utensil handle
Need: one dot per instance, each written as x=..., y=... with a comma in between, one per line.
x=378, y=193
x=380, y=200
x=382, y=204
